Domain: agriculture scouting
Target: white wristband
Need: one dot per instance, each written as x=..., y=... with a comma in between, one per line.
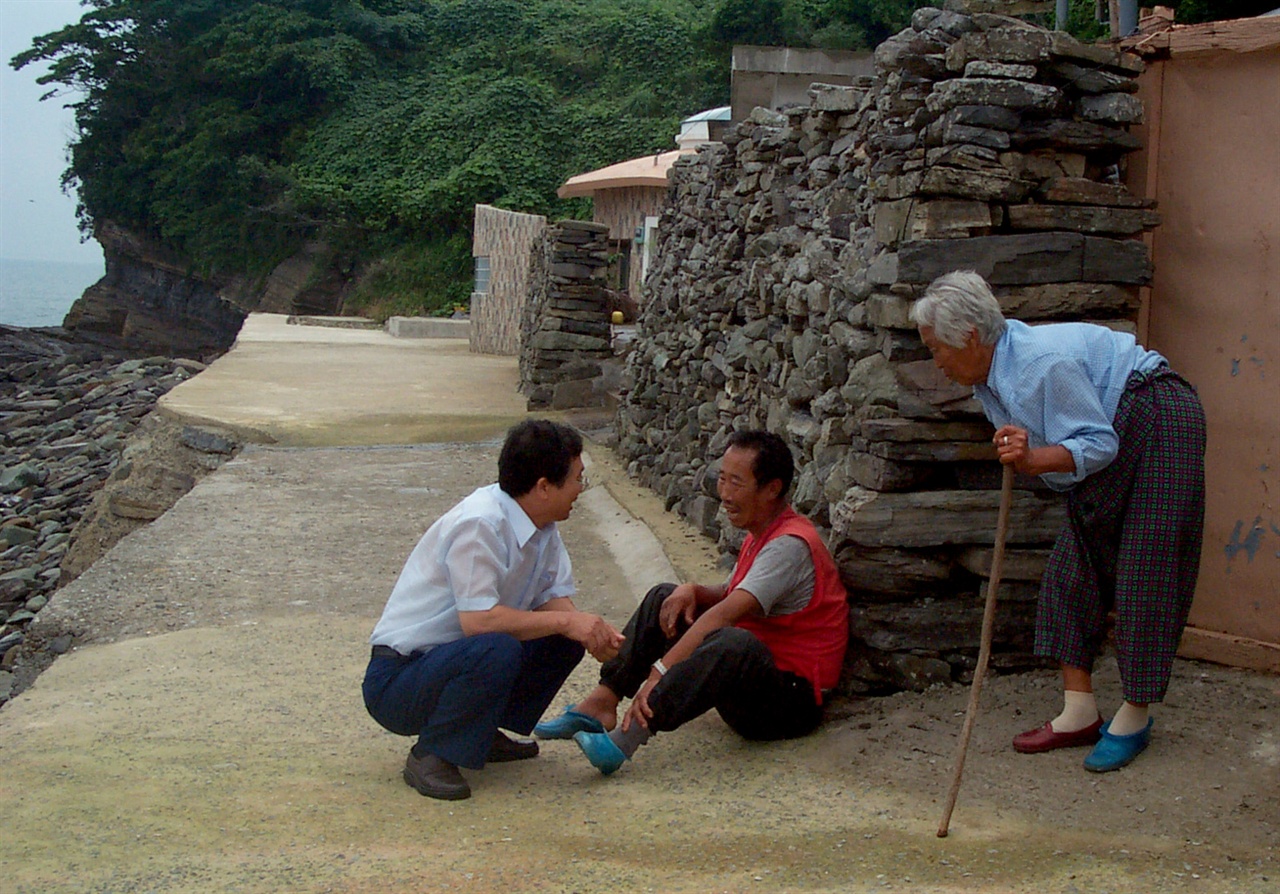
x=660, y=668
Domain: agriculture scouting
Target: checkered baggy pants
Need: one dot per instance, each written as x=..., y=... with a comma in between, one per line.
x=1132, y=541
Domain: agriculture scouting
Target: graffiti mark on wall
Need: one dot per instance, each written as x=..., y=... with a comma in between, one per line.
x=1253, y=359
x=1248, y=543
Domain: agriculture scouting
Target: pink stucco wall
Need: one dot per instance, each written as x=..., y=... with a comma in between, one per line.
x=1213, y=163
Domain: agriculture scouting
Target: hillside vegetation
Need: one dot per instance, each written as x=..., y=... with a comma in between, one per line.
x=235, y=131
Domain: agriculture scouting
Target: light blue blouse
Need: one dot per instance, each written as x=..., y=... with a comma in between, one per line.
x=1062, y=382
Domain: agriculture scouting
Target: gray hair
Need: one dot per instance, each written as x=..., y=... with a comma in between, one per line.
x=956, y=304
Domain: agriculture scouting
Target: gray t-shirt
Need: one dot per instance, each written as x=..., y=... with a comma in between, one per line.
x=781, y=577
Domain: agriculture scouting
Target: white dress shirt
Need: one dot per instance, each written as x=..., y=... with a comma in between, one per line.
x=483, y=552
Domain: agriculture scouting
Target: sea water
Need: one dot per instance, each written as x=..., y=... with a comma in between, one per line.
x=39, y=293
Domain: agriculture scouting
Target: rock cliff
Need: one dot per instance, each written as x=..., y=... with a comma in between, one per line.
x=152, y=300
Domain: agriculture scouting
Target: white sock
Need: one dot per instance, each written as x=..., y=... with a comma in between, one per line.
x=1079, y=709
x=1129, y=719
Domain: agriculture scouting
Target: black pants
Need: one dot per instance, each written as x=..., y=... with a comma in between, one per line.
x=731, y=671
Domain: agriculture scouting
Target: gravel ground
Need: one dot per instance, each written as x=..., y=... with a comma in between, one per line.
x=205, y=734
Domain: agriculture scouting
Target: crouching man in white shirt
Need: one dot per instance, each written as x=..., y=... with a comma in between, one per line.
x=480, y=631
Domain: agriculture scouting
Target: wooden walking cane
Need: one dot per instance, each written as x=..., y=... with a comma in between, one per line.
x=984, y=648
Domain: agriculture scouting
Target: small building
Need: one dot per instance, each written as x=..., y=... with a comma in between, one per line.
x=628, y=198
x=775, y=77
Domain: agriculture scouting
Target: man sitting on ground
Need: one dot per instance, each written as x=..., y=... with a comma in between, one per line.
x=761, y=649
x=480, y=631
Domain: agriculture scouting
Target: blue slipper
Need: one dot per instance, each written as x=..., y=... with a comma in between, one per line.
x=568, y=723
x=1114, y=752
x=603, y=753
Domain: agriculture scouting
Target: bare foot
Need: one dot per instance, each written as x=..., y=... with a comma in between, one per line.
x=602, y=704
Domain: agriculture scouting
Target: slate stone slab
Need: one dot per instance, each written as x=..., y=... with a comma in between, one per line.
x=1019, y=564
x=1082, y=218
x=892, y=572
x=936, y=518
x=1075, y=136
x=935, y=626
x=1116, y=260
x=1081, y=191
x=908, y=430
x=1069, y=301
x=1009, y=44
x=1002, y=260
x=1018, y=96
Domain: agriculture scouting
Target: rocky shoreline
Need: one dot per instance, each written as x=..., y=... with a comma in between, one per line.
x=80, y=468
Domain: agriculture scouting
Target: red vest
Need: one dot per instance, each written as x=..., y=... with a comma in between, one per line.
x=810, y=642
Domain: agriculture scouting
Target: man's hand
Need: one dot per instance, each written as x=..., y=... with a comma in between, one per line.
x=639, y=711
x=681, y=604
x=599, y=637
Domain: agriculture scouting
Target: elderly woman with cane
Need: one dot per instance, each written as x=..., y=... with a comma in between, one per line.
x=1094, y=414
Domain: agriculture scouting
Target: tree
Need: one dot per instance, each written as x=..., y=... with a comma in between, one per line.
x=233, y=130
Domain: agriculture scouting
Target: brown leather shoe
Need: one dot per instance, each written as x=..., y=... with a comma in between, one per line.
x=1043, y=738
x=435, y=777
x=505, y=749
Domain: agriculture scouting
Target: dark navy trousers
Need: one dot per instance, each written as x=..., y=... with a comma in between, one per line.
x=455, y=696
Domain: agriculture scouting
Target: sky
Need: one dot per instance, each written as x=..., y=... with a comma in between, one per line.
x=37, y=221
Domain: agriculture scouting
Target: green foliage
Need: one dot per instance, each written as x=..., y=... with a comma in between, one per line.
x=851, y=24
x=1190, y=12
x=188, y=111
x=1082, y=21
x=829, y=24
x=418, y=278
x=766, y=23
x=235, y=130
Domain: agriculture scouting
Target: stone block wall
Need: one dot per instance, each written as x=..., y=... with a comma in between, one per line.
x=565, y=325
x=787, y=262
x=506, y=238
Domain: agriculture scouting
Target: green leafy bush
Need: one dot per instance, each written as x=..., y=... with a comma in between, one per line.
x=420, y=278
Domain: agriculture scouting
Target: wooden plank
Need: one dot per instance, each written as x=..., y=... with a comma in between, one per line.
x=1228, y=649
x=1152, y=95
x=1236, y=36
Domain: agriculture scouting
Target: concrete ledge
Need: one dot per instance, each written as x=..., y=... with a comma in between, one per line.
x=332, y=322
x=427, y=327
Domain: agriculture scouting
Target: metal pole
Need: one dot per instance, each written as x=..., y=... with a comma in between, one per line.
x=1062, y=10
x=1128, y=17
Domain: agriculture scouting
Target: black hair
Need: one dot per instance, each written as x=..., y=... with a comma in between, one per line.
x=773, y=460
x=534, y=449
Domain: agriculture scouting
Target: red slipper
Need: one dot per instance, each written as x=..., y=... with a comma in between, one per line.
x=1043, y=738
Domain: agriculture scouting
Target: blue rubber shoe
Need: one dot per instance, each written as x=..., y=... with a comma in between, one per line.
x=568, y=723
x=1114, y=752
x=604, y=755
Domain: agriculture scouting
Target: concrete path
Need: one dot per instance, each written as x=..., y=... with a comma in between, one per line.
x=210, y=735
x=318, y=386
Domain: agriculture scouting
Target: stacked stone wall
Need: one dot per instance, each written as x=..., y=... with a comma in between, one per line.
x=565, y=328
x=787, y=262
